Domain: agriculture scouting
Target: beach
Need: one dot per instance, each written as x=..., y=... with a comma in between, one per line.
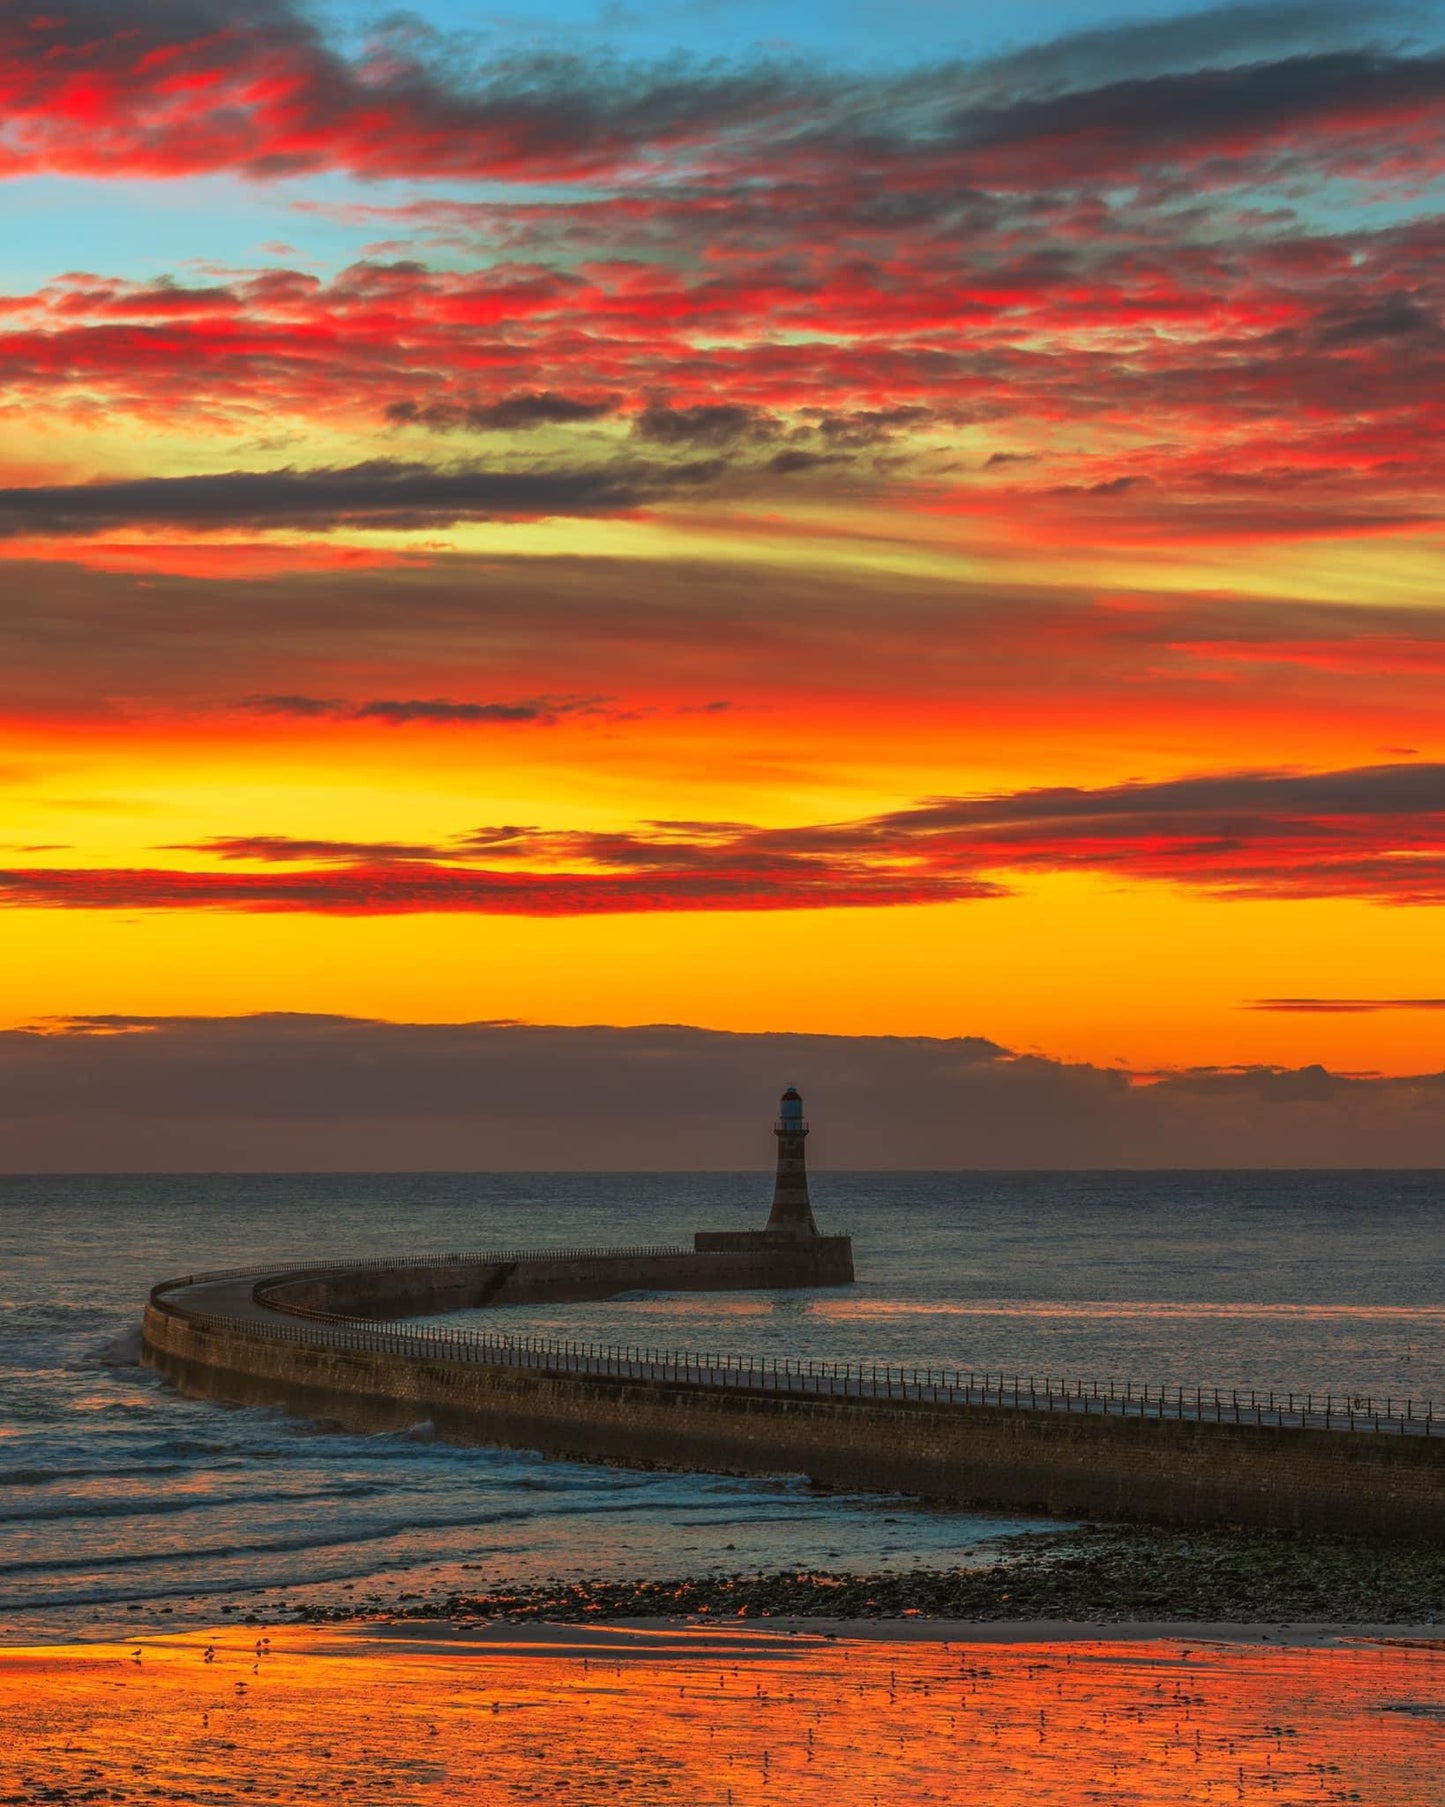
x=641, y=1715
x=1040, y=1677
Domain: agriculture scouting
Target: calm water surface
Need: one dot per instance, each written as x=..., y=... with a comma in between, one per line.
x=125, y=1507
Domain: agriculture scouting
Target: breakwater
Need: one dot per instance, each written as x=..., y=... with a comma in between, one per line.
x=446, y=1283
x=312, y=1338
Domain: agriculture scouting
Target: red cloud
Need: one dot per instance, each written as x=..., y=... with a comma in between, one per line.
x=388, y=889
x=860, y=271
x=105, y=87
x=176, y=87
x=1374, y=832
x=1282, y=396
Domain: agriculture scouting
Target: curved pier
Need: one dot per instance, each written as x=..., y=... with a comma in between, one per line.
x=323, y=1338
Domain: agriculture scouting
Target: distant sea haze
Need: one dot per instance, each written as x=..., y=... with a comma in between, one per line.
x=123, y=1505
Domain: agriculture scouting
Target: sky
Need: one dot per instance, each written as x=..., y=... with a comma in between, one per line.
x=842, y=520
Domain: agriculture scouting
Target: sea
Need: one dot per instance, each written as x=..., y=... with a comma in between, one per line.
x=127, y=1509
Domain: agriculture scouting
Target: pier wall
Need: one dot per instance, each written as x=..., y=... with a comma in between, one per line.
x=426, y=1290
x=1180, y=1471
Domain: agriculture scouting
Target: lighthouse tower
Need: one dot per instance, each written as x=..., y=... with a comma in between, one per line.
x=792, y=1211
x=790, y=1252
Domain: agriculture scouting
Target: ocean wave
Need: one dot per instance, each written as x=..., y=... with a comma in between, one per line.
x=88, y=1509
x=45, y=1477
x=322, y=1538
x=331, y=1536
x=120, y=1352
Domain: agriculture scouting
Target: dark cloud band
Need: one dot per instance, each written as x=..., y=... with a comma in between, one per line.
x=379, y=494
x=443, y=711
x=285, y=1092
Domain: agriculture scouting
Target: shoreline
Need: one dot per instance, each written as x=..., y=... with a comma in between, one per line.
x=661, y=1639
x=638, y=1638
x=1103, y=1576
x=1092, y=1581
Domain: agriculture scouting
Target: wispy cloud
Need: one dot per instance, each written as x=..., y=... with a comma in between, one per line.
x=540, y=711
x=519, y=413
x=1344, y=1006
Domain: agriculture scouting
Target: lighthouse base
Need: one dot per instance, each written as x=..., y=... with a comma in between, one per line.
x=787, y=1258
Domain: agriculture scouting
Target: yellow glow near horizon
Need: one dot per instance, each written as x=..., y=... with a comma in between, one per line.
x=1071, y=967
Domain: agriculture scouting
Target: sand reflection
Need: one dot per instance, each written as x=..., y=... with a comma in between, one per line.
x=723, y=1718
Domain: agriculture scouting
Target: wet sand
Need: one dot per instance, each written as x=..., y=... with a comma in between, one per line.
x=659, y=1634
x=656, y=1714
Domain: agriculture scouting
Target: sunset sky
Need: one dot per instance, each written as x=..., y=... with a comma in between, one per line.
x=908, y=519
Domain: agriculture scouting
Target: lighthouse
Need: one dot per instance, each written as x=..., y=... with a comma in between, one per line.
x=792, y=1211
x=789, y=1252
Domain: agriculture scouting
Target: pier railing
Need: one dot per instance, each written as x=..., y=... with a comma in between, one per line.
x=797, y=1377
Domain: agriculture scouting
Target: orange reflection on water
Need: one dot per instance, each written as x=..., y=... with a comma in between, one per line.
x=583, y=1717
